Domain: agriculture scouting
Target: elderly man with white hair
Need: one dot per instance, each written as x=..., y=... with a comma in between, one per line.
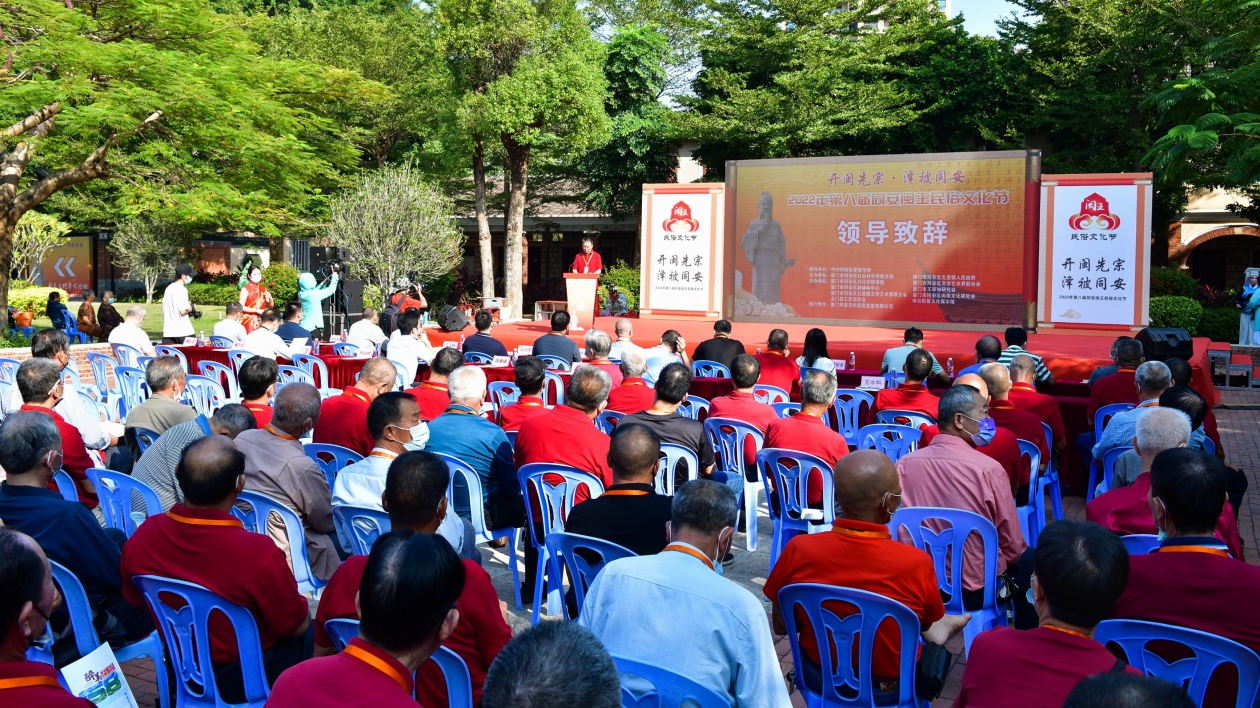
x=634, y=394
x=1151, y=379
x=129, y=331
x=598, y=346
x=1157, y=430
x=463, y=433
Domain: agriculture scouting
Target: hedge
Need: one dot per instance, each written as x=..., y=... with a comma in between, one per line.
x=1175, y=311
x=1220, y=324
x=281, y=280
x=1172, y=281
x=213, y=293
x=35, y=300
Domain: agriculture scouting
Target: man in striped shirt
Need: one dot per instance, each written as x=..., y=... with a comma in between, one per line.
x=156, y=467
x=1016, y=338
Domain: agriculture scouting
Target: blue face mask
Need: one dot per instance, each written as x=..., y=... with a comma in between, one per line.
x=988, y=428
x=1162, y=535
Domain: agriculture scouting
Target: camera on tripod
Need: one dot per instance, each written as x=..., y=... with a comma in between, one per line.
x=335, y=265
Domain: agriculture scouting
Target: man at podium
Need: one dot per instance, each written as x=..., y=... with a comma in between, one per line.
x=587, y=260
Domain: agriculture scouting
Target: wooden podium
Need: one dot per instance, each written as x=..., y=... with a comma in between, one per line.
x=581, y=289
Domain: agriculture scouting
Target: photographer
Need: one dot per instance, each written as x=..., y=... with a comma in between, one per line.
x=177, y=308
x=407, y=296
x=311, y=296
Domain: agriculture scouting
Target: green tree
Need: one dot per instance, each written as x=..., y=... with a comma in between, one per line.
x=147, y=250
x=35, y=235
x=174, y=103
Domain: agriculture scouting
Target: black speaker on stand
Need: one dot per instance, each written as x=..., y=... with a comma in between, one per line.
x=452, y=319
x=1164, y=343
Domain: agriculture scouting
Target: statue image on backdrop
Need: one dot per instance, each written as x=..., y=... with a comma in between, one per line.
x=1249, y=301
x=766, y=249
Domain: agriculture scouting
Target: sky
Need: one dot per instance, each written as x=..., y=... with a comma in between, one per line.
x=980, y=16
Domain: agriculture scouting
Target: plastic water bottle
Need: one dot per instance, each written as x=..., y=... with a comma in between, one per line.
x=852, y=361
x=461, y=342
x=201, y=339
x=758, y=350
x=949, y=367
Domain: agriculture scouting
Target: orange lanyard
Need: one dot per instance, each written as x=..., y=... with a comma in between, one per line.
x=855, y=532
x=1196, y=549
x=1147, y=404
x=689, y=551
x=528, y=404
x=433, y=386
x=626, y=493
x=279, y=434
x=586, y=264
x=1065, y=630
x=383, y=453
x=29, y=681
x=204, y=522
x=633, y=383
x=377, y=663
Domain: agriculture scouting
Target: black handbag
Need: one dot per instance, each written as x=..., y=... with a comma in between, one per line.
x=930, y=671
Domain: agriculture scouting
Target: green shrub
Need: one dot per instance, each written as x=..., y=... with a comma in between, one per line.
x=1220, y=323
x=14, y=340
x=213, y=293
x=1174, y=311
x=627, y=279
x=1172, y=281
x=34, y=299
x=281, y=280
x=372, y=297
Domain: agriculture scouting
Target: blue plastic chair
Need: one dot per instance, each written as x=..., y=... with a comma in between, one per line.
x=470, y=480
x=71, y=373
x=94, y=406
x=292, y=374
x=238, y=357
x=1050, y=480
x=511, y=436
x=458, y=680
x=402, y=375
x=8, y=370
x=144, y=438
x=1209, y=446
x=556, y=363
x=671, y=456
x=131, y=383
x=142, y=362
x=315, y=367
x=892, y=378
x=786, y=410
x=66, y=486
x=808, y=369
x=126, y=355
x=1109, y=470
x=502, y=393
x=256, y=521
x=556, y=501
x=770, y=394
x=341, y=631
x=167, y=350
x=102, y=370
x=1101, y=418
x=572, y=552
x=480, y=358
x=1191, y=673
x=848, y=411
x=704, y=368
x=72, y=330
x=362, y=525
x=914, y=419
x=787, y=473
x=946, y=548
x=818, y=603
x=331, y=458
x=186, y=635
x=693, y=407
x=117, y=493
x=1032, y=516
x=86, y=639
x=219, y=342
x=552, y=382
x=1140, y=544
x=205, y=395
x=729, y=438
x=669, y=689
x=345, y=349
x=607, y=420
x=892, y=440
x=221, y=375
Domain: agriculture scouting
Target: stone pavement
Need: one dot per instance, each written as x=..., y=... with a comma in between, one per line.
x=1240, y=433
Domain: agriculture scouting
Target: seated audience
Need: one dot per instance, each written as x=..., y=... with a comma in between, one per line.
x=567, y=434
x=1182, y=374
x=630, y=513
x=230, y=326
x=290, y=329
x=895, y=358
x=276, y=465
x=1025, y=426
x=1121, y=689
x=129, y=331
x=1081, y=569
x=1016, y=338
x=28, y=598
x=1191, y=402
x=366, y=334
x=663, y=418
x=56, y=311
x=777, y=367
x=635, y=393
x=988, y=349
x=672, y=349
x=721, y=348
x=815, y=354
x=86, y=318
x=264, y=341
x=950, y=473
x=1119, y=387
x=409, y=345
x=156, y=467
x=200, y=542
x=1026, y=398
x=598, y=345
x=162, y=410
x=861, y=554
x=415, y=495
x=408, y=597
x=482, y=342
x=912, y=394
x=1151, y=380
x=108, y=316
x=1163, y=430
x=553, y=665
x=257, y=379
x=41, y=385
x=624, y=329
x=530, y=377
x=1003, y=448
x=1112, y=368
x=556, y=342
x=69, y=534
x=808, y=431
x=715, y=631
x=743, y=406
x=432, y=394
x=343, y=419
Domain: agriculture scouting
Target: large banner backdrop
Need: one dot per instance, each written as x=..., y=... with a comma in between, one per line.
x=942, y=239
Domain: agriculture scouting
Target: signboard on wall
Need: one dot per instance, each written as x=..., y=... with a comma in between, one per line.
x=681, y=235
x=1095, y=251
x=892, y=239
x=69, y=265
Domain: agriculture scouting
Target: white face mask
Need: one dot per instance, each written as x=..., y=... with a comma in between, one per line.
x=255, y=277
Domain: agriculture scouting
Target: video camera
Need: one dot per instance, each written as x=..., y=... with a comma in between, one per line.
x=334, y=266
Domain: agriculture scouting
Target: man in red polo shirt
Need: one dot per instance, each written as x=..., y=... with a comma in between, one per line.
x=567, y=434
x=1118, y=387
x=1026, y=398
x=911, y=395
x=1024, y=425
x=634, y=394
x=343, y=419
x=1081, y=569
x=28, y=598
x=808, y=432
x=742, y=406
x=861, y=554
x=777, y=366
x=432, y=393
x=258, y=385
x=530, y=376
x=200, y=542
x=41, y=385
x=407, y=614
x=415, y=496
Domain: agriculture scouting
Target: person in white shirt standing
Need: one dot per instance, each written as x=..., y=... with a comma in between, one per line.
x=129, y=331
x=230, y=326
x=366, y=333
x=176, y=307
x=265, y=342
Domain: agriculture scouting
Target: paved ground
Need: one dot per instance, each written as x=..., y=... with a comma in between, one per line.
x=1238, y=420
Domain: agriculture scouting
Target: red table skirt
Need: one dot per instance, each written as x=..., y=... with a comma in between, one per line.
x=341, y=369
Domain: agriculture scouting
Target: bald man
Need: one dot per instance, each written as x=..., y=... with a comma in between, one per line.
x=1023, y=424
x=636, y=516
x=861, y=554
x=344, y=421
x=1004, y=448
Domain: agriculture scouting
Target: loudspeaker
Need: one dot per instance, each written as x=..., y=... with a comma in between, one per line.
x=451, y=319
x=354, y=300
x=1163, y=343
